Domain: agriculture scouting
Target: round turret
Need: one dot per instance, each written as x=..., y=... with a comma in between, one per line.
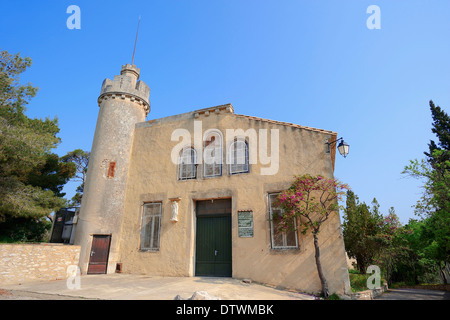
x=123, y=102
x=127, y=86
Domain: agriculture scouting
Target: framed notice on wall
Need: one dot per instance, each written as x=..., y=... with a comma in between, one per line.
x=245, y=224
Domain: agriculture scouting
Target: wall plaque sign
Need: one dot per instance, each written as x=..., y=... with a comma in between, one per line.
x=245, y=224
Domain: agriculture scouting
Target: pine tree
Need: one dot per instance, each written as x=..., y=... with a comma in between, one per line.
x=441, y=128
x=80, y=159
x=435, y=202
x=361, y=226
x=31, y=177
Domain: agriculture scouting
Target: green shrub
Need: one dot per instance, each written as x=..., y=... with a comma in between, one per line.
x=334, y=296
x=19, y=230
x=358, y=282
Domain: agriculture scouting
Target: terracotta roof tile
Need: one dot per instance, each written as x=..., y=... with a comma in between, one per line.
x=286, y=124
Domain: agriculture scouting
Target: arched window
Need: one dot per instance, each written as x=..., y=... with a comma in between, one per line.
x=239, y=157
x=212, y=154
x=188, y=164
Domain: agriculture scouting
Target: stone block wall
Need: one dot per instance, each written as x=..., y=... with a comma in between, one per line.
x=369, y=294
x=30, y=262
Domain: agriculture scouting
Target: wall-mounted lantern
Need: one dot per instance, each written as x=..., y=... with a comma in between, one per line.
x=343, y=147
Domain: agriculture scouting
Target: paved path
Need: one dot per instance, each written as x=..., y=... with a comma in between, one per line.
x=414, y=294
x=140, y=287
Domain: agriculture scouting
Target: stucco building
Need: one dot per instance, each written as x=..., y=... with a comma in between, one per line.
x=192, y=194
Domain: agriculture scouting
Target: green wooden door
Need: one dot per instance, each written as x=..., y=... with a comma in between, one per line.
x=213, y=240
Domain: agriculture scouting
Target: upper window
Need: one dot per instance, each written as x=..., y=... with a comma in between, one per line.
x=280, y=239
x=212, y=154
x=239, y=157
x=188, y=164
x=151, y=226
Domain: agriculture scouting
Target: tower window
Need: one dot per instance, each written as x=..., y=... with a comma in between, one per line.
x=111, y=169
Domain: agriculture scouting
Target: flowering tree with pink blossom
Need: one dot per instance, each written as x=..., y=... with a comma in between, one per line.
x=309, y=202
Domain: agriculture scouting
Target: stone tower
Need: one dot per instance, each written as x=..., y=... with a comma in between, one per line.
x=123, y=102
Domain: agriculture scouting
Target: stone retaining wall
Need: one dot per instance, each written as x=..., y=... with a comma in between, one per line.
x=30, y=262
x=369, y=294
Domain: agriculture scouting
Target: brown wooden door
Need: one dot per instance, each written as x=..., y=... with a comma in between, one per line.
x=98, y=261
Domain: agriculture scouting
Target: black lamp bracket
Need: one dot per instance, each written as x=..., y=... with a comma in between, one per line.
x=329, y=143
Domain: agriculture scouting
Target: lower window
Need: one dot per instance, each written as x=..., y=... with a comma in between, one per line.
x=151, y=226
x=280, y=239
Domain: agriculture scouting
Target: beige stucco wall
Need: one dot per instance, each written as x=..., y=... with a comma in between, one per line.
x=153, y=177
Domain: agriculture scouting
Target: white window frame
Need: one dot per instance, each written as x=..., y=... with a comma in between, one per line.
x=182, y=165
x=218, y=149
x=155, y=226
x=234, y=167
x=283, y=235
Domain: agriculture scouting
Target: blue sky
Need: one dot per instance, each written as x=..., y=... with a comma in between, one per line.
x=314, y=63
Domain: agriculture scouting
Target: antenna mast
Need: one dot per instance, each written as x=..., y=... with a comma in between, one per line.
x=135, y=41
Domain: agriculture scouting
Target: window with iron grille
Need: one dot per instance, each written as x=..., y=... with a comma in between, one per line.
x=187, y=164
x=239, y=157
x=151, y=226
x=280, y=239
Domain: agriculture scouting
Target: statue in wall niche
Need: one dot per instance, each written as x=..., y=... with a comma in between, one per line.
x=174, y=209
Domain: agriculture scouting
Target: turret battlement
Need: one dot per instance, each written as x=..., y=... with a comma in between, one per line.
x=126, y=86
